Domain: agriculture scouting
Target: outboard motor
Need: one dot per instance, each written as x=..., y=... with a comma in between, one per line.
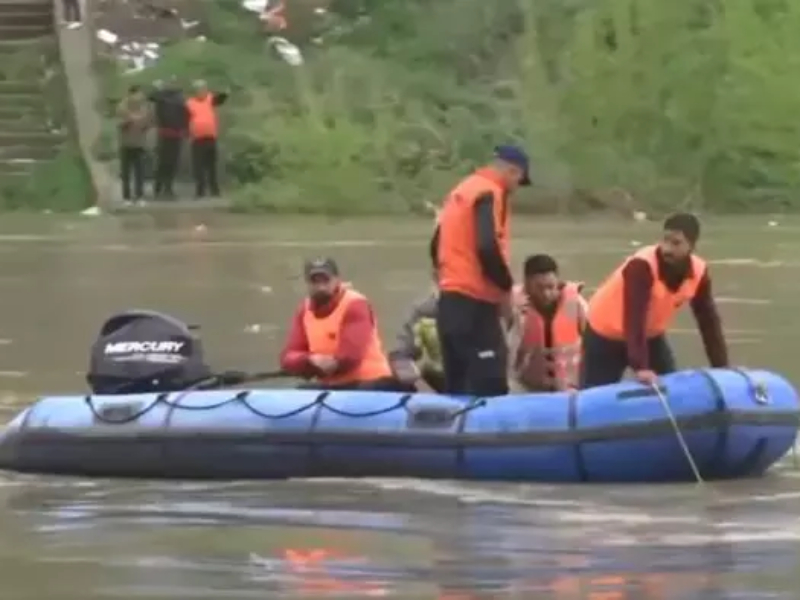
x=140, y=351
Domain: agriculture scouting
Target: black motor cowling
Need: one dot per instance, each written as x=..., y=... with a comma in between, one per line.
x=141, y=351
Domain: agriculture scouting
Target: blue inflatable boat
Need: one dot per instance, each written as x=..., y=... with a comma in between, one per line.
x=736, y=423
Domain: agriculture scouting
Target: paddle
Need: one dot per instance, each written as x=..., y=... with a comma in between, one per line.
x=210, y=382
x=231, y=378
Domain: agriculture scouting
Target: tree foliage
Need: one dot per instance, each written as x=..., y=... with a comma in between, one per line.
x=677, y=104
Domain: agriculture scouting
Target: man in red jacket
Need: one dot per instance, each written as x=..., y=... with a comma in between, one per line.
x=333, y=338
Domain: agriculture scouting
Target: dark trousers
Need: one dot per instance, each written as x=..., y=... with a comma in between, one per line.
x=474, y=350
x=435, y=380
x=168, y=154
x=605, y=360
x=204, y=166
x=72, y=10
x=131, y=165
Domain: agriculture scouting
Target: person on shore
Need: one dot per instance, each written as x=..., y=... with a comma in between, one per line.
x=71, y=11
x=470, y=252
x=203, y=130
x=333, y=339
x=171, y=120
x=545, y=338
x=631, y=311
x=417, y=357
x=133, y=123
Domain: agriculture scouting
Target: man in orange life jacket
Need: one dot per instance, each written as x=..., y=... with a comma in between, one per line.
x=470, y=251
x=631, y=311
x=334, y=336
x=549, y=319
x=203, y=130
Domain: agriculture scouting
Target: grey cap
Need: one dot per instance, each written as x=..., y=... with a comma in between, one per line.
x=321, y=266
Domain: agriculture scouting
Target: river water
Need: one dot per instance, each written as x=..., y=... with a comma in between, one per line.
x=239, y=278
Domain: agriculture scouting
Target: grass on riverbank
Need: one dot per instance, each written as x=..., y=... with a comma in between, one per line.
x=620, y=103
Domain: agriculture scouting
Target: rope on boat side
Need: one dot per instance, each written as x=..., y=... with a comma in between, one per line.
x=678, y=434
x=121, y=413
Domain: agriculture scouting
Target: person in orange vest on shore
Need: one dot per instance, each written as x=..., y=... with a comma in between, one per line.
x=545, y=339
x=470, y=252
x=333, y=338
x=204, y=131
x=631, y=311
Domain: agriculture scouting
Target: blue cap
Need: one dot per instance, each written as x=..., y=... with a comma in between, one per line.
x=517, y=157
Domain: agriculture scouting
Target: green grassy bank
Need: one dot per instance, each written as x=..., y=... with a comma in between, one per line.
x=664, y=104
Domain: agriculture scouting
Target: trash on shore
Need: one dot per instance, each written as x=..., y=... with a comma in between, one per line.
x=256, y=6
x=135, y=56
x=140, y=47
x=287, y=51
x=108, y=37
x=92, y=211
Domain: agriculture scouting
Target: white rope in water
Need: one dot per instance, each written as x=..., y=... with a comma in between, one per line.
x=678, y=434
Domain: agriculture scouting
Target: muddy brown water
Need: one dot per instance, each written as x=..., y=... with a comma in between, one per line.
x=238, y=277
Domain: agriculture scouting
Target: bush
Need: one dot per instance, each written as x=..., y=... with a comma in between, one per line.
x=688, y=104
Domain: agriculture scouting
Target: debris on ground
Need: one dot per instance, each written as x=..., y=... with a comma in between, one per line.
x=92, y=211
x=256, y=6
x=133, y=31
x=287, y=51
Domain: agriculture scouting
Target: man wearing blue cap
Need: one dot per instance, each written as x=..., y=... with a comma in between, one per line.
x=471, y=254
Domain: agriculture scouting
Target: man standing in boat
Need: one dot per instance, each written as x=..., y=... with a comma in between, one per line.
x=548, y=322
x=471, y=251
x=334, y=336
x=632, y=310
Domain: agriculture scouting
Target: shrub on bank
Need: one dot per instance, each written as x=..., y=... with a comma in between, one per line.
x=685, y=104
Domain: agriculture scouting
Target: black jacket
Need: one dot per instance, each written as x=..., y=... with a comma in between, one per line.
x=170, y=110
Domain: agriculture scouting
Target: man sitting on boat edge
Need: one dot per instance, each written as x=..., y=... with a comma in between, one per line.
x=417, y=357
x=545, y=336
x=333, y=339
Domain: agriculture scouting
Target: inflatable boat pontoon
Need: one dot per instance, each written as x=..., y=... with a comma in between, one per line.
x=736, y=423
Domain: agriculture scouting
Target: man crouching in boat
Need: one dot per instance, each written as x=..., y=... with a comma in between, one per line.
x=417, y=357
x=545, y=336
x=631, y=311
x=334, y=336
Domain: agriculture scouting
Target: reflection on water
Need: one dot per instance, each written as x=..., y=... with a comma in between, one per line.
x=370, y=539
x=238, y=277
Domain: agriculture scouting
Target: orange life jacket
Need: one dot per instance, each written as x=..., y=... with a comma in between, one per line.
x=459, y=269
x=606, y=305
x=556, y=367
x=323, y=338
x=202, y=117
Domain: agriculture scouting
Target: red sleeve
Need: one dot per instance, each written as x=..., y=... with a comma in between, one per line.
x=294, y=356
x=637, y=284
x=709, y=323
x=357, y=325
